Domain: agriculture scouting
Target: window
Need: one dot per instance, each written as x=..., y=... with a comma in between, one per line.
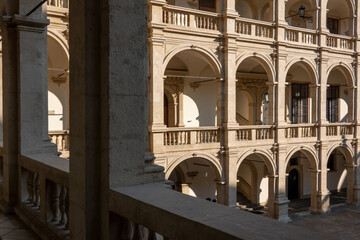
x=333, y=25
x=332, y=104
x=207, y=5
x=299, y=103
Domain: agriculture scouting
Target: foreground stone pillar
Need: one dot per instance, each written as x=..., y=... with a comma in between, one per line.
x=323, y=195
x=271, y=198
x=314, y=192
x=350, y=184
x=281, y=200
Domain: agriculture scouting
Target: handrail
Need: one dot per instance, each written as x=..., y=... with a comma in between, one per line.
x=249, y=20
x=171, y=215
x=190, y=10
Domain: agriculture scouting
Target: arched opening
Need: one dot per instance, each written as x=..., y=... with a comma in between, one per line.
x=340, y=17
x=254, y=9
x=340, y=176
x=58, y=86
x=205, y=5
x=339, y=98
x=166, y=106
x=253, y=98
x=300, y=94
x=254, y=187
x=301, y=182
x=194, y=81
x=293, y=184
x=196, y=177
x=292, y=13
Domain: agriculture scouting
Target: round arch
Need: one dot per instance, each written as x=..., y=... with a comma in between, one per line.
x=264, y=155
x=211, y=159
x=60, y=40
x=208, y=54
x=344, y=149
x=344, y=69
x=307, y=65
x=262, y=60
x=309, y=153
x=350, y=3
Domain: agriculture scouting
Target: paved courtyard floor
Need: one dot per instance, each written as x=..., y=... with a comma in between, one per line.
x=12, y=228
x=342, y=223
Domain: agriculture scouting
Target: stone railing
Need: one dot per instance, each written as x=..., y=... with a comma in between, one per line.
x=300, y=35
x=261, y=132
x=44, y=195
x=58, y=3
x=339, y=129
x=184, y=136
x=152, y=211
x=339, y=41
x=300, y=130
x=190, y=18
x=254, y=28
x=61, y=139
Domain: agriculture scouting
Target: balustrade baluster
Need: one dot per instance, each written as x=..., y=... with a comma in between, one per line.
x=31, y=184
x=55, y=202
x=63, y=195
x=37, y=190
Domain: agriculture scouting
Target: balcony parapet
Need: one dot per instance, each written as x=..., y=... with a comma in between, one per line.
x=340, y=42
x=301, y=36
x=44, y=201
x=339, y=129
x=299, y=130
x=61, y=139
x=185, y=18
x=186, y=136
x=58, y=3
x=254, y=28
x=156, y=209
x=255, y=132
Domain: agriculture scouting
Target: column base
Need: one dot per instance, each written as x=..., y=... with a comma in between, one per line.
x=323, y=203
x=281, y=209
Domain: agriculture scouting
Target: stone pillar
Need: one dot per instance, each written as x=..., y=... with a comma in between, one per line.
x=220, y=190
x=156, y=68
x=314, y=102
x=350, y=183
x=323, y=195
x=271, y=197
x=231, y=178
x=271, y=104
x=322, y=96
x=180, y=116
x=314, y=192
x=281, y=200
x=10, y=114
x=350, y=91
x=323, y=22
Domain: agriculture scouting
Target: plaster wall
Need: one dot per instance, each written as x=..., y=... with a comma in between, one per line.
x=337, y=179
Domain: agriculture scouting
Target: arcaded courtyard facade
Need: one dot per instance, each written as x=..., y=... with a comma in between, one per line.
x=243, y=103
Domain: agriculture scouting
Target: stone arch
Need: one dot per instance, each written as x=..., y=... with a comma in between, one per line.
x=215, y=163
x=345, y=69
x=351, y=5
x=308, y=65
x=60, y=40
x=345, y=150
x=263, y=60
x=264, y=8
x=264, y=155
x=309, y=152
x=208, y=54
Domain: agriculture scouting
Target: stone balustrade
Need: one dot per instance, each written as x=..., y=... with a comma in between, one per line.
x=300, y=130
x=261, y=132
x=339, y=129
x=58, y=3
x=301, y=36
x=339, y=41
x=190, y=18
x=184, y=136
x=44, y=194
x=254, y=28
x=152, y=210
x=61, y=139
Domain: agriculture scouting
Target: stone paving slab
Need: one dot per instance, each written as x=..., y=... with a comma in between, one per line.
x=343, y=222
x=11, y=228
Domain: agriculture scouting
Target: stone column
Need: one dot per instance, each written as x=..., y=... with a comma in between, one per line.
x=156, y=68
x=271, y=198
x=271, y=104
x=322, y=96
x=350, y=91
x=323, y=195
x=281, y=200
x=314, y=102
x=10, y=114
x=350, y=183
x=220, y=190
x=323, y=22
x=180, y=116
x=229, y=99
x=314, y=192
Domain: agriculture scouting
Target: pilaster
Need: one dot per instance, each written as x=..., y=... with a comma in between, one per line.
x=323, y=195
